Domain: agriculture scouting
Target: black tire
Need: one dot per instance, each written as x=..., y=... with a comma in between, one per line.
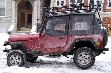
x=97, y=53
x=84, y=58
x=13, y=57
x=105, y=37
x=31, y=59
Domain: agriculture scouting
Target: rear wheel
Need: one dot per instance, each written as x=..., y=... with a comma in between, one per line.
x=15, y=58
x=84, y=58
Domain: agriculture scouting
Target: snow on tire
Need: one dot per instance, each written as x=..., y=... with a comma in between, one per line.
x=84, y=58
x=15, y=58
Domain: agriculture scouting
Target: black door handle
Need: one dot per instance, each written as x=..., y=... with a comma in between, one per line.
x=61, y=38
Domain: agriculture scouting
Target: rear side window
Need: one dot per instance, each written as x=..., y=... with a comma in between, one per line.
x=80, y=24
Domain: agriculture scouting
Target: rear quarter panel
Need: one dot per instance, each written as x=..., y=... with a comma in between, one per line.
x=97, y=40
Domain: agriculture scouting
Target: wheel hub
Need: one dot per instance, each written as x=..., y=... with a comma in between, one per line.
x=15, y=60
x=84, y=58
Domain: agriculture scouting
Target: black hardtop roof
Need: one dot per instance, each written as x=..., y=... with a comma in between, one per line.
x=88, y=13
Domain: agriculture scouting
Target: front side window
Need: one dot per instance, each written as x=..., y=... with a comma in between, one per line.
x=56, y=26
x=2, y=7
x=80, y=24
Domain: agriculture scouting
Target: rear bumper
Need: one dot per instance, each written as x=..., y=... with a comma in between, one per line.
x=105, y=49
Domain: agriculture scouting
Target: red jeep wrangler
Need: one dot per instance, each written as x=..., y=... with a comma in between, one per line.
x=78, y=34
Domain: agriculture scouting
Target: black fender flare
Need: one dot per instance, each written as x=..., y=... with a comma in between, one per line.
x=24, y=55
x=18, y=46
x=84, y=40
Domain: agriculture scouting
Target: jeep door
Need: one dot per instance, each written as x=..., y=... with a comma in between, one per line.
x=54, y=37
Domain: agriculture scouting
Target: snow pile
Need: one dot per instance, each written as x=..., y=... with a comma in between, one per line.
x=11, y=28
x=55, y=65
x=33, y=30
x=3, y=37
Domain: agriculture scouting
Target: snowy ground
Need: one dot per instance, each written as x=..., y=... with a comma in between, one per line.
x=55, y=65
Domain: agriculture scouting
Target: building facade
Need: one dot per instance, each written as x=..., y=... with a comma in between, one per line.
x=23, y=15
x=19, y=15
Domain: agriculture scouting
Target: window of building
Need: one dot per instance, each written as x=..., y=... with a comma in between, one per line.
x=96, y=2
x=60, y=3
x=79, y=1
x=26, y=6
x=99, y=5
x=92, y=3
x=109, y=3
x=2, y=8
x=73, y=1
x=57, y=3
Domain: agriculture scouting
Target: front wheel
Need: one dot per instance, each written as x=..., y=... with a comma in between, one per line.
x=15, y=58
x=84, y=58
